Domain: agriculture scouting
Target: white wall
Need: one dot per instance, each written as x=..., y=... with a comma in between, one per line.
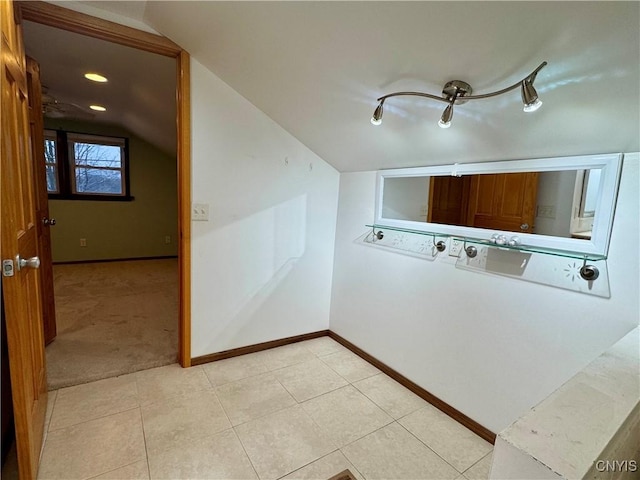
x=113, y=229
x=491, y=347
x=555, y=189
x=406, y=198
x=262, y=264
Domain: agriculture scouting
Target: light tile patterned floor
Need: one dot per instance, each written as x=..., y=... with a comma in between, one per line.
x=302, y=411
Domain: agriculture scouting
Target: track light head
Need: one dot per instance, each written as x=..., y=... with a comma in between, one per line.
x=447, y=115
x=377, y=115
x=530, y=96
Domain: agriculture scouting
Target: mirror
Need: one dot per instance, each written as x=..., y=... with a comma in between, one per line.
x=563, y=203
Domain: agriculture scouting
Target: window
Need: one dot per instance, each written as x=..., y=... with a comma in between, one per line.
x=590, y=192
x=51, y=161
x=97, y=165
x=86, y=167
x=585, y=200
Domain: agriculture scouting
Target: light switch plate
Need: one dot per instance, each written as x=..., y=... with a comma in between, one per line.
x=200, y=212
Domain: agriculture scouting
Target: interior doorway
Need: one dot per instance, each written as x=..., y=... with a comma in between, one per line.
x=112, y=187
x=21, y=300
x=93, y=28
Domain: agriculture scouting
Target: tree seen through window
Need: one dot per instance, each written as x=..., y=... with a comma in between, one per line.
x=87, y=167
x=50, y=159
x=98, y=168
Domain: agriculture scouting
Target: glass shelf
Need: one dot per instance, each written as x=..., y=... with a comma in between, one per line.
x=423, y=244
x=407, y=230
x=519, y=248
x=553, y=267
x=529, y=249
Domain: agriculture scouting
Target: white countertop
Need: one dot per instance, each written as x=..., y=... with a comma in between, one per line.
x=577, y=424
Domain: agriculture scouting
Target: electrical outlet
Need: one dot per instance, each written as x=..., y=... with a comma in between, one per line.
x=546, y=211
x=83, y=242
x=200, y=212
x=167, y=240
x=455, y=247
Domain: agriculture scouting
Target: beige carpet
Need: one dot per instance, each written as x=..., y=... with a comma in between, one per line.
x=113, y=318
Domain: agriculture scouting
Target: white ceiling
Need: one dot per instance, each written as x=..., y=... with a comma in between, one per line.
x=140, y=93
x=317, y=68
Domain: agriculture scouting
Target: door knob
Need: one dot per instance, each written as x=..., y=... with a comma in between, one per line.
x=48, y=221
x=33, y=262
x=524, y=226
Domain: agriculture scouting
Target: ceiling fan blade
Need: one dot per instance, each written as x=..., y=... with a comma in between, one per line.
x=66, y=110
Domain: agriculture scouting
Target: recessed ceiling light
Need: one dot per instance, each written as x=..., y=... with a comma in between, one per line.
x=95, y=77
x=98, y=108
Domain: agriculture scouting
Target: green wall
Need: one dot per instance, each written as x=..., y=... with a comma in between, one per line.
x=120, y=229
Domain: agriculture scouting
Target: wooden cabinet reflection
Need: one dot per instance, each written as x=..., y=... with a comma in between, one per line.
x=505, y=201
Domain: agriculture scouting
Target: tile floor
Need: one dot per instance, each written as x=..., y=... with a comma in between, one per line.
x=303, y=411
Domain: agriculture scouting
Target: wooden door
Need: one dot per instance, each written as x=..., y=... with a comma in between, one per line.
x=19, y=225
x=503, y=201
x=34, y=89
x=448, y=200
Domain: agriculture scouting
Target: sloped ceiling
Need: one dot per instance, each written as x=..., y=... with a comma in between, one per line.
x=140, y=94
x=316, y=68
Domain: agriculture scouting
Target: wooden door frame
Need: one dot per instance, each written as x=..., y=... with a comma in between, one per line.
x=59, y=17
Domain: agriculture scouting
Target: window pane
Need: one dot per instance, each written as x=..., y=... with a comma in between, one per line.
x=52, y=179
x=94, y=155
x=49, y=150
x=590, y=192
x=50, y=165
x=91, y=180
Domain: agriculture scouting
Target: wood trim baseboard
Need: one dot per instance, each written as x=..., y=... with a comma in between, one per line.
x=258, y=347
x=457, y=415
x=108, y=260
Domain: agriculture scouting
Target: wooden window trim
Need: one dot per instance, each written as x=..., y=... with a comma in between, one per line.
x=65, y=164
x=124, y=168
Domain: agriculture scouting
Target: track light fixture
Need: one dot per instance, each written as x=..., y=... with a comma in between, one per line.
x=457, y=92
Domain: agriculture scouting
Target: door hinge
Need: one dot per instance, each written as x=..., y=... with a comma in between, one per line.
x=7, y=268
